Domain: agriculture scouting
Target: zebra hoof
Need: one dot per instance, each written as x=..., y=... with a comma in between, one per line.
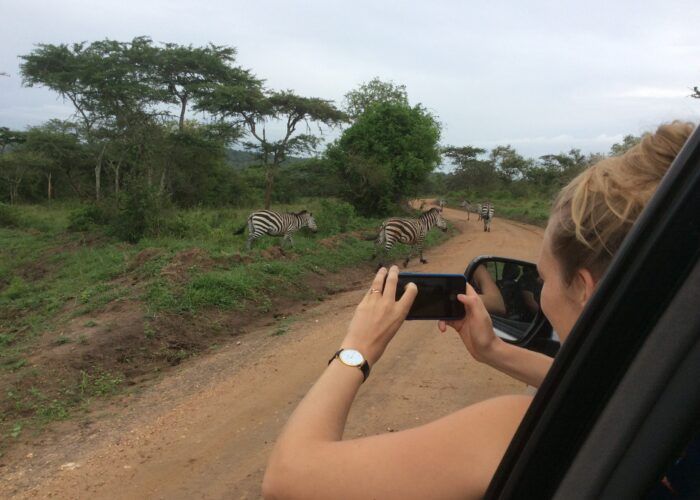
x=423, y=261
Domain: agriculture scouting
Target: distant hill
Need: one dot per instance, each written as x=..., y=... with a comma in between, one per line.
x=243, y=159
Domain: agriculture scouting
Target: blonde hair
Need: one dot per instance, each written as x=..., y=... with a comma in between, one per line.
x=595, y=211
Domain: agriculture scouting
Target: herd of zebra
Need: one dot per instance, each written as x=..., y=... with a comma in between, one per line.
x=411, y=232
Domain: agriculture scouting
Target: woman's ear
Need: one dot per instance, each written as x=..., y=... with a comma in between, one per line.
x=585, y=286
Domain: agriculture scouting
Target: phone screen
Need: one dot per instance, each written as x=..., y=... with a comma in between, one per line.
x=437, y=295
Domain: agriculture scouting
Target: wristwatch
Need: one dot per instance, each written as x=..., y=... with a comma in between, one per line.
x=352, y=357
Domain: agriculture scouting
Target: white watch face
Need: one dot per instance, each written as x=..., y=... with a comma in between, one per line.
x=351, y=357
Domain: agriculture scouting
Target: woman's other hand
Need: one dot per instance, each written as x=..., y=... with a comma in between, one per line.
x=379, y=315
x=476, y=329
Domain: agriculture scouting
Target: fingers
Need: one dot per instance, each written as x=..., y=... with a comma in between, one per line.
x=409, y=295
x=390, y=284
x=378, y=281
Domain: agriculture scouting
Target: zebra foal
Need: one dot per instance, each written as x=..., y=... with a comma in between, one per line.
x=410, y=232
x=276, y=224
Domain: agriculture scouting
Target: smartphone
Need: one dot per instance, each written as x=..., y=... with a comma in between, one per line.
x=437, y=295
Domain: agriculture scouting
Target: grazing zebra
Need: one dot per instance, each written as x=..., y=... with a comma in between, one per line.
x=471, y=209
x=410, y=232
x=276, y=224
x=487, y=215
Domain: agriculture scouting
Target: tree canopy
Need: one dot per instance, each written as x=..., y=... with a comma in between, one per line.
x=386, y=155
x=375, y=91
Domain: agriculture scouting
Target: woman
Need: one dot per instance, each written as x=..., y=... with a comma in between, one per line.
x=457, y=455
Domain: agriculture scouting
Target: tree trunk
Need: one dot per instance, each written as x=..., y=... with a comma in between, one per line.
x=161, y=186
x=270, y=178
x=182, y=113
x=116, y=178
x=50, y=186
x=98, y=173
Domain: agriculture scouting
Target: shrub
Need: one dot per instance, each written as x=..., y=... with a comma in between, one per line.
x=8, y=216
x=86, y=218
x=334, y=216
x=139, y=213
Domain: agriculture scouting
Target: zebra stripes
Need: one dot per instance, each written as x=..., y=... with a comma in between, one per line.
x=410, y=232
x=276, y=224
x=471, y=208
x=486, y=215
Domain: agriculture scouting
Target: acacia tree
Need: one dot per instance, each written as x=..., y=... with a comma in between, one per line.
x=470, y=171
x=108, y=82
x=59, y=142
x=509, y=164
x=245, y=104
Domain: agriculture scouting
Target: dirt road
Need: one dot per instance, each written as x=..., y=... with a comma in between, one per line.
x=206, y=430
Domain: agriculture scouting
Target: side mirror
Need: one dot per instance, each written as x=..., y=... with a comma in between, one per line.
x=510, y=290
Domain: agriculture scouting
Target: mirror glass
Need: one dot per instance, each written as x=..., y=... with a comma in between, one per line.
x=510, y=290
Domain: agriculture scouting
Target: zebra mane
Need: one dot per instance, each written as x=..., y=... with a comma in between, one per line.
x=299, y=213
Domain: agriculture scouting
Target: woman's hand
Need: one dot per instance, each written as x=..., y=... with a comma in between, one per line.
x=379, y=315
x=476, y=329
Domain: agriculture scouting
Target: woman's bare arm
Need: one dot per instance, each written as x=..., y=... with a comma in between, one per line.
x=454, y=457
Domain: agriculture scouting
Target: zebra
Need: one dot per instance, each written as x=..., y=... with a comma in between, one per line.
x=486, y=215
x=471, y=209
x=410, y=232
x=442, y=204
x=276, y=224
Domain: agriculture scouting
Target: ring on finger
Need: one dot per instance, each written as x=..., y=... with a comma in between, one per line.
x=374, y=290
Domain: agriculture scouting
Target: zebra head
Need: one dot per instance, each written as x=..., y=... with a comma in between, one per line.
x=434, y=218
x=308, y=220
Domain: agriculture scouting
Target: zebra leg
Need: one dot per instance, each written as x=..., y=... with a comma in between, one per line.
x=420, y=253
x=410, y=255
x=249, y=241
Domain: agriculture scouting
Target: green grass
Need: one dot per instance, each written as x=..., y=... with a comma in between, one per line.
x=50, y=275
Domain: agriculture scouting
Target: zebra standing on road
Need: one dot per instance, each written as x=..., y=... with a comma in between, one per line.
x=410, y=232
x=276, y=224
x=471, y=209
x=487, y=215
x=442, y=204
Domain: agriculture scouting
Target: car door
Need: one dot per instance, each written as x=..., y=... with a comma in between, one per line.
x=622, y=397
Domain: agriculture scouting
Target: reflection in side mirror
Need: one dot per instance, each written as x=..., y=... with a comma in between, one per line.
x=510, y=289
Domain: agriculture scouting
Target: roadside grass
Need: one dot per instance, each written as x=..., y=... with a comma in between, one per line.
x=191, y=265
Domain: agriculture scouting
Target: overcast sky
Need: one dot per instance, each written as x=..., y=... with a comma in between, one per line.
x=543, y=76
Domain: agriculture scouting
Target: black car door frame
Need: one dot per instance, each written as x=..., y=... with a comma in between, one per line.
x=647, y=274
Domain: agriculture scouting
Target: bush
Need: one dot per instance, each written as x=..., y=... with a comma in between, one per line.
x=334, y=216
x=8, y=216
x=86, y=218
x=139, y=214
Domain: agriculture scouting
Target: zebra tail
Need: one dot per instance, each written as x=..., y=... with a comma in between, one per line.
x=240, y=231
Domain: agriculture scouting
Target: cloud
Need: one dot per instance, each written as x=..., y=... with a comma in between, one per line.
x=655, y=93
